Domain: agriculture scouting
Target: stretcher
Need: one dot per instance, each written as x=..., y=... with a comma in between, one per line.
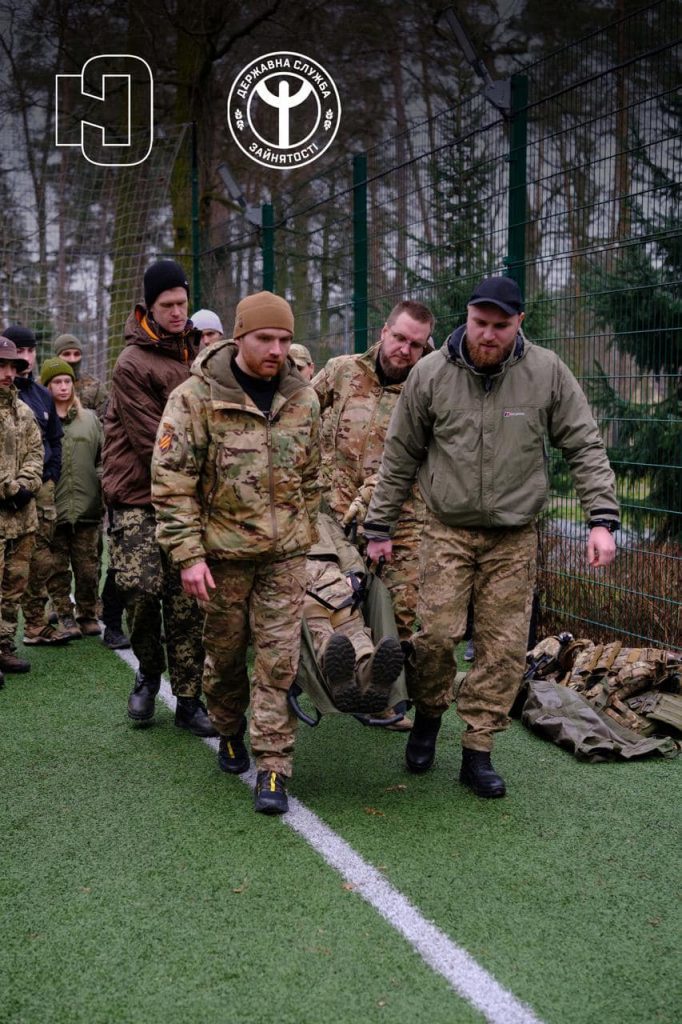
x=309, y=695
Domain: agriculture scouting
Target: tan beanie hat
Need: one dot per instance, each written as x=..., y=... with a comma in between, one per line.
x=65, y=341
x=262, y=310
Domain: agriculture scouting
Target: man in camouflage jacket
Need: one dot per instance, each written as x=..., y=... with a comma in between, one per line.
x=21, y=477
x=357, y=397
x=236, y=492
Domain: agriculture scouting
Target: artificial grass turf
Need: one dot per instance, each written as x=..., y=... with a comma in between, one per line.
x=567, y=891
x=139, y=886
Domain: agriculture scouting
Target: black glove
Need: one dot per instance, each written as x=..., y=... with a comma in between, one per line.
x=21, y=498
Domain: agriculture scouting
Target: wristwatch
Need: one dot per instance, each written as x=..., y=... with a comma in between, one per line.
x=609, y=524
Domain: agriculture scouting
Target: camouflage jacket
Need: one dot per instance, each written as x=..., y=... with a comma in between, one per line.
x=21, y=463
x=229, y=482
x=92, y=394
x=357, y=411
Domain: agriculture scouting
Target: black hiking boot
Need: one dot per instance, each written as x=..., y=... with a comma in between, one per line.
x=479, y=775
x=141, y=699
x=421, y=746
x=191, y=714
x=270, y=793
x=233, y=757
x=115, y=639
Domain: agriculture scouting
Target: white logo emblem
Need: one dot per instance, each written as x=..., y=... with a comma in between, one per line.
x=283, y=110
x=111, y=89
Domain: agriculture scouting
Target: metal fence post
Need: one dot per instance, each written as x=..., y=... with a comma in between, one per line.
x=360, y=251
x=268, y=247
x=517, y=206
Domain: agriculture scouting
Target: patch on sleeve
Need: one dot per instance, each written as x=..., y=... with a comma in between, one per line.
x=166, y=437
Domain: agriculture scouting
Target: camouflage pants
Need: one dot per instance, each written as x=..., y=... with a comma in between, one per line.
x=497, y=568
x=150, y=585
x=260, y=602
x=15, y=557
x=39, y=565
x=326, y=579
x=75, y=548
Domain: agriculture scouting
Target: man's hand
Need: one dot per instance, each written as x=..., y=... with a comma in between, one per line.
x=601, y=547
x=196, y=579
x=377, y=549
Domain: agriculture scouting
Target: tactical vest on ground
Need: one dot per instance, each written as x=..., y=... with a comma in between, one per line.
x=605, y=700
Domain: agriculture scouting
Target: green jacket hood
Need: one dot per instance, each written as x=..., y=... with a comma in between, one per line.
x=455, y=350
x=214, y=367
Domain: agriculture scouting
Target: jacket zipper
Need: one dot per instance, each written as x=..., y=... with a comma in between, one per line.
x=271, y=476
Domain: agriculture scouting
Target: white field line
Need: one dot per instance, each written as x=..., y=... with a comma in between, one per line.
x=463, y=974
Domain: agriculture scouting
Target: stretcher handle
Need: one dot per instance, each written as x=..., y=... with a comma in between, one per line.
x=293, y=693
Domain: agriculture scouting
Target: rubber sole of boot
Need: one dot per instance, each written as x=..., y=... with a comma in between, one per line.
x=15, y=668
x=271, y=803
x=43, y=640
x=490, y=793
x=387, y=663
x=339, y=660
x=136, y=717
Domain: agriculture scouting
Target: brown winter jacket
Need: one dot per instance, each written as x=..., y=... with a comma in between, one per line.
x=150, y=366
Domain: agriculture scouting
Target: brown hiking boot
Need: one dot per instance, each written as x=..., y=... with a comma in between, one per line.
x=70, y=627
x=11, y=664
x=46, y=635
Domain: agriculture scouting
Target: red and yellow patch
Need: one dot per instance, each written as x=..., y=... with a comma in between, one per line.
x=166, y=438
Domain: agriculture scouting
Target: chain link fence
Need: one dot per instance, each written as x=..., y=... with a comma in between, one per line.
x=574, y=190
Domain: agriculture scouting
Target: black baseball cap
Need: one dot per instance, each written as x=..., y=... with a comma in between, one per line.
x=498, y=291
x=23, y=337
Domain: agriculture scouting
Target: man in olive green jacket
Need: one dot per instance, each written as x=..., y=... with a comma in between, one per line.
x=472, y=426
x=236, y=492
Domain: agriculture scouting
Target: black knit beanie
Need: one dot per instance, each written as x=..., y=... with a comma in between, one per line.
x=23, y=337
x=160, y=277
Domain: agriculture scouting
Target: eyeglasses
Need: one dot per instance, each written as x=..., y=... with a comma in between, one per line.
x=400, y=339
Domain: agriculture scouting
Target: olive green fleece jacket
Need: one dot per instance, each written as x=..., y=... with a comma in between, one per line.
x=478, y=443
x=78, y=495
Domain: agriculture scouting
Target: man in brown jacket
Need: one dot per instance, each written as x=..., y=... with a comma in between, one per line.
x=160, y=346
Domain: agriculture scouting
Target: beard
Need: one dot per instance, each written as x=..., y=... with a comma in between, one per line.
x=486, y=358
x=394, y=374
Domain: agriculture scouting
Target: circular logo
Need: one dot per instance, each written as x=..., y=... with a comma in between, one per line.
x=283, y=110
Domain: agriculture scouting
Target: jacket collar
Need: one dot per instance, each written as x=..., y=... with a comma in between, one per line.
x=214, y=366
x=455, y=347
